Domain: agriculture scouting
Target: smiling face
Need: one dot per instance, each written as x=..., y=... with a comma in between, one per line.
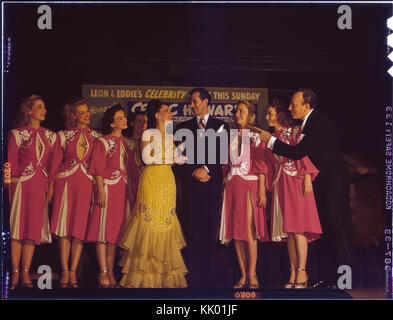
x=198, y=106
x=272, y=117
x=242, y=117
x=298, y=108
x=119, y=121
x=38, y=111
x=164, y=114
x=82, y=115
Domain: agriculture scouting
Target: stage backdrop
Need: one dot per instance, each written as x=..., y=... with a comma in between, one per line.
x=133, y=98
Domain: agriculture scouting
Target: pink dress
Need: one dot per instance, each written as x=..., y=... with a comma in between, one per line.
x=134, y=166
x=28, y=152
x=241, y=182
x=72, y=191
x=291, y=211
x=109, y=160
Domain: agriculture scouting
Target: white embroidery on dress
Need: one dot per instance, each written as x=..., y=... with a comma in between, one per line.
x=112, y=146
x=115, y=174
x=49, y=136
x=25, y=136
x=28, y=170
x=70, y=134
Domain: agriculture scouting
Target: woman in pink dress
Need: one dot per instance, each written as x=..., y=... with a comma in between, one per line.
x=111, y=206
x=294, y=212
x=72, y=187
x=138, y=123
x=243, y=211
x=29, y=147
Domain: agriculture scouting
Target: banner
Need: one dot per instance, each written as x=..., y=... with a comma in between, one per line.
x=135, y=98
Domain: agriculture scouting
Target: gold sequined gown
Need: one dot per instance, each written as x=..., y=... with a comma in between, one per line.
x=153, y=237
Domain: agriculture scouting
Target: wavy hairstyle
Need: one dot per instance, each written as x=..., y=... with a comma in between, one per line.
x=22, y=118
x=69, y=109
x=108, y=118
x=152, y=108
x=251, y=110
x=284, y=117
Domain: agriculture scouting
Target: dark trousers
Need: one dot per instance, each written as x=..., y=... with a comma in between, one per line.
x=200, y=225
x=334, y=247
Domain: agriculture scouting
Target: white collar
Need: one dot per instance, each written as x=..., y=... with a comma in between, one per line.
x=206, y=117
x=305, y=119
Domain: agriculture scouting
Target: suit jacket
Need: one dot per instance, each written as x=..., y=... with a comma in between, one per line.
x=320, y=143
x=215, y=170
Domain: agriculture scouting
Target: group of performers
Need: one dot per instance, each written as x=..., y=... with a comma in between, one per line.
x=102, y=191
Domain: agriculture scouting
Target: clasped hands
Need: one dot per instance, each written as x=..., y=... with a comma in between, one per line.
x=201, y=175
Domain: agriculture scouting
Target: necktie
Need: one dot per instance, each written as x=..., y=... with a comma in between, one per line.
x=202, y=124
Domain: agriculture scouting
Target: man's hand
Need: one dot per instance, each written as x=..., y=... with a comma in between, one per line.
x=201, y=174
x=265, y=136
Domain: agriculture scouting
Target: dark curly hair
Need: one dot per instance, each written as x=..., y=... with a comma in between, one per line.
x=283, y=115
x=131, y=117
x=152, y=108
x=108, y=118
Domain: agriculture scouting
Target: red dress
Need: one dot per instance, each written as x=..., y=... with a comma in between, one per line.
x=291, y=211
x=134, y=166
x=72, y=191
x=109, y=160
x=241, y=181
x=28, y=152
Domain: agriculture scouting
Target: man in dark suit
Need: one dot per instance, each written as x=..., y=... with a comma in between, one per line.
x=201, y=185
x=320, y=142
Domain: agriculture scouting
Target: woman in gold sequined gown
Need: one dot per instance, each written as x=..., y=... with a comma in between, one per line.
x=153, y=237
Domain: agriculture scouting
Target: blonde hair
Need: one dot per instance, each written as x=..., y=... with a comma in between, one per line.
x=70, y=109
x=251, y=110
x=22, y=119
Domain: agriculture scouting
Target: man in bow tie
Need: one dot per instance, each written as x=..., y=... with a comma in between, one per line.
x=201, y=185
x=320, y=142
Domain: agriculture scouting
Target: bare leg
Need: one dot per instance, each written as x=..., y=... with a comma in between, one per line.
x=27, y=257
x=76, y=251
x=64, y=250
x=242, y=260
x=111, y=252
x=292, y=257
x=103, y=278
x=252, y=245
x=16, y=252
x=301, y=249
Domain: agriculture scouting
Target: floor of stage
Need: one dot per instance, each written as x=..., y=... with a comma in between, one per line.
x=369, y=293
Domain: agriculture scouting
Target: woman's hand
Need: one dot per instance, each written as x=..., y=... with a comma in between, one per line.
x=307, y=185
x=261, y=197
x=101, y=197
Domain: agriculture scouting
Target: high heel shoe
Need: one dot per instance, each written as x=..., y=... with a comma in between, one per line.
x=240, y=285
x=27, y=284
x=100, y=284
x=14, y=283
x=301, y=285
x=64, y=284
x=73, y=285
x=253, y=286
x=291, y=284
